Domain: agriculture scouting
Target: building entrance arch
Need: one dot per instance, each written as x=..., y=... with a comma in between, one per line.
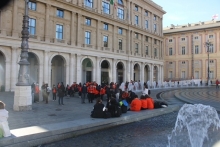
x=136, y=72
x=2, y=70
x=146, y=73
x=33, y=68
x=120, y=73
x=105, y=72
x=58, y=70
x=87, y=70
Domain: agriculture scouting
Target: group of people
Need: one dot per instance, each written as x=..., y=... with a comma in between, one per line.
x=117, y=105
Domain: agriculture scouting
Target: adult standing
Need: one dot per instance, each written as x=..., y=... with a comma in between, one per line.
x=36, y=94
x=54, y=90
x=217, y=82
x=61, y=91
x=84, y=93
x=42, y=90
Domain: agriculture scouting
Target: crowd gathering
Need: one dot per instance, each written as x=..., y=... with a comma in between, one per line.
x=120, y=98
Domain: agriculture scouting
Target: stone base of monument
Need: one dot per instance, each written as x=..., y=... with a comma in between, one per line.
x=22, y=98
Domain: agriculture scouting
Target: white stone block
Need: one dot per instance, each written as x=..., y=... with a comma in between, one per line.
x=22, y=98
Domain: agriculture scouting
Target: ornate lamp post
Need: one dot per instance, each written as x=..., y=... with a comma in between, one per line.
x=23, y=98
x=207, y=44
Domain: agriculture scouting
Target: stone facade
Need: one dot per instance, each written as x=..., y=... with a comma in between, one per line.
x=186, y=55
x=61, y=51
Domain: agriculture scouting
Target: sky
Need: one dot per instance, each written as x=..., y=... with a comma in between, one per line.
x=180, y=12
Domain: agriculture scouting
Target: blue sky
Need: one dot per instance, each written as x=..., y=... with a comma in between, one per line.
x=188, y=11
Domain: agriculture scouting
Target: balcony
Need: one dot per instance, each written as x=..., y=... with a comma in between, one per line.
x=106, y=14
x=87, y=45
x=137, y=54
x=106, y=49
x=120, y=51
x=89, y=8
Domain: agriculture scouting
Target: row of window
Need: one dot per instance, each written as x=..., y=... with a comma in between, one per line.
x=196, y=50
x=196, y=38
x=183, y=62
x=196, y=74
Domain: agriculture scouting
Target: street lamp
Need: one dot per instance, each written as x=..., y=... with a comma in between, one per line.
x=23, y=98
x=208, y=44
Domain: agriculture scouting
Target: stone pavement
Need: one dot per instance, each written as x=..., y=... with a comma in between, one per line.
x=51, y=122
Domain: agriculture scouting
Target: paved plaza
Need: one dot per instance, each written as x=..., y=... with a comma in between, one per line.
x=52, y=122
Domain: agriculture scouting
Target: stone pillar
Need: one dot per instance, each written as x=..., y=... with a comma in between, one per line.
x=78, y=69
x=142, y=46
x=162, y=70
x=98, y=70
x=132, y=70
x=132, y=44
x=72, y=67
x=14, y=19
x=7, y=75
x=113, y=38
x=46, y=67
x=128, y=71
x=128, y=12
x=151, y=73
x=114, y=71
x=79, y=3
x=67, y=73
x=131, y=14
x=98, y=35
x=128, y=42
x=142, y=72
x=13, y=68
x=72, y=34
x=79, y=32
x=152, y=47
x=47, y=23
x=99, y=6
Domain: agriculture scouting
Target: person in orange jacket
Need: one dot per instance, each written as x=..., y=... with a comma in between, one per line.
x=135, y=104
x=143, y=103
x=54, y=90
x=150, y=102
x=36, y=93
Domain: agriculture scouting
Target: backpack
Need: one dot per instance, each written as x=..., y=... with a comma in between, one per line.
x=117, y=111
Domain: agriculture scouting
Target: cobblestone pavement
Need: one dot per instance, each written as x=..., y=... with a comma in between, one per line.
x=146, y=133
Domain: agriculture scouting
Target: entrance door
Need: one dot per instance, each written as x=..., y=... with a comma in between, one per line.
x=104, y=77
x=88, y=76
x=120, y=77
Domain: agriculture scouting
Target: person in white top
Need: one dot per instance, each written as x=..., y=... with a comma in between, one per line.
x=145, y=90
x=4, y=120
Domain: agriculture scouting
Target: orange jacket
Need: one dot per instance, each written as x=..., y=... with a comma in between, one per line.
x=54, y=90
x=96, y=92
x=37, y=89
x=150, y=103
x=80, y=89
x=124, y=95
x=135, y=105
x=144, y=103
x=102, y=91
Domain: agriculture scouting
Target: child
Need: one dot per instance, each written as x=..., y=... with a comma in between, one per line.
x=3, y=120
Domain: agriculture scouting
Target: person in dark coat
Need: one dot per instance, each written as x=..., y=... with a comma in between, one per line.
x=112, y=107
x=98, y=111
x=61, y=92
x=84, y=93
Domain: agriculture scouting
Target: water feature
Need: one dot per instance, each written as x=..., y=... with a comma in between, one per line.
x=194, y=125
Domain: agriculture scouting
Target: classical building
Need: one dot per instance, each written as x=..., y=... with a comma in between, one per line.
x=186, y=53
x=83, y=40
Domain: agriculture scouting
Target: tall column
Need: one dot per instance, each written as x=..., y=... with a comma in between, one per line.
x=15, y=20
x=67, y=78
x=128, y=71
x=151, y=74
x=142, y=46
x=162, y=79
x=99, y=6
x=132, y=70
x=131, y=13
x=78, y=69
x=128, y=42
x=142, y=72
x=71, y=67
x=72, y=34
x=132, y=46
x=152, y=47
x=46, y=66
x=79, y=32
x=13, y=68
x=128, y=16
x=142, y=18
x=113, y=38
x=47, y=23
x=98, y=70
x=7, y=75
x=98, y=35
x=114, y=70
